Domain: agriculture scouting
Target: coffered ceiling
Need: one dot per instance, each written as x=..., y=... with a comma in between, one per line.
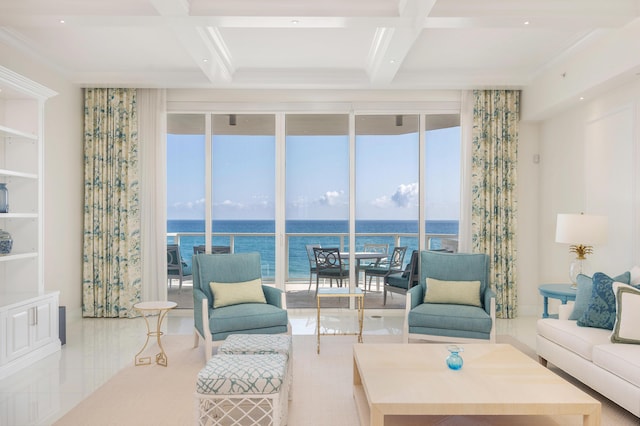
x=311, y=44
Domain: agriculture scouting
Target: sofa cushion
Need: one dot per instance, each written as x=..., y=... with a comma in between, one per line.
x=619, y=359
x=585, y=288
x=625, y=329
x=453, y=292
x=601, y=312
x=569, y=335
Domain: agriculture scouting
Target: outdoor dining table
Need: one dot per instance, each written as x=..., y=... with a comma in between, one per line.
x=363, y=255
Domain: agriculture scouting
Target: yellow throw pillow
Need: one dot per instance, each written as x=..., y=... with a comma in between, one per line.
x=225, y=294
x=453, y=292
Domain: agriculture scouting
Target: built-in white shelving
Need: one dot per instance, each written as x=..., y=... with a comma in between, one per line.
x=28, y=313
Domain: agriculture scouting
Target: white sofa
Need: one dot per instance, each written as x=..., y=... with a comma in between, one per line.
x=586, y=353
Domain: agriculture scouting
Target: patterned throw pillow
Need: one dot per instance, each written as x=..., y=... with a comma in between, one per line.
x=626, y=328
x=601, y=312
x=585, y=288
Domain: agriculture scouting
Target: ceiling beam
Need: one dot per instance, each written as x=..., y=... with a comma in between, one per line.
x=204, y=45
x=390, y=45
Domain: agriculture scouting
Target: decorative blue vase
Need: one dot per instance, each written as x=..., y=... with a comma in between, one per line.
x=4, y=198
x=6, y=242
x=454, y=360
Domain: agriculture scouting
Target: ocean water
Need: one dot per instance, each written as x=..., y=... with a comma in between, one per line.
x=302, y=232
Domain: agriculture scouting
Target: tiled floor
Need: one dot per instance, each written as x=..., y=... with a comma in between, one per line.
x=98, y=348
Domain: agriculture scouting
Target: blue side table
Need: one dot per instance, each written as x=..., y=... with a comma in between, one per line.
x=563, y=292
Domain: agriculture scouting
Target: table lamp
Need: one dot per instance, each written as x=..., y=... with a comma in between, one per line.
x=582, y=232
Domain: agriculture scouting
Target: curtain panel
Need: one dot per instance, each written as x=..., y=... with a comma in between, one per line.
x=152, y=136
x=493, y=190
x=111, y=253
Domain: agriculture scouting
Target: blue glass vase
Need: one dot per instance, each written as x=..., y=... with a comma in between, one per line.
x=4, y=198
x=454, y=360
x=6, y=242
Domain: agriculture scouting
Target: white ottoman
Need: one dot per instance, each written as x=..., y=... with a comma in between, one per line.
x=254, y=344
x=243, y=389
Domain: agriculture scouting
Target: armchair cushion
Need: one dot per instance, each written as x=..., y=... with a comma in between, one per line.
x=453, y=292
x=225, y=294
x=450, y=320
x=256, y=318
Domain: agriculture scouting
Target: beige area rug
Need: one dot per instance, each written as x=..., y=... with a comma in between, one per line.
x=322, y=390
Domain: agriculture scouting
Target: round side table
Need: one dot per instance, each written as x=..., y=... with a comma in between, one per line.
x=146, y=309
x=563, y=292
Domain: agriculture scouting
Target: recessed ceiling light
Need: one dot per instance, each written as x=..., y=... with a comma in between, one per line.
x=392, y=61
x=526, y=22
x=205, y=60
x=295, y=21
x=582, y=98
x=61, y=21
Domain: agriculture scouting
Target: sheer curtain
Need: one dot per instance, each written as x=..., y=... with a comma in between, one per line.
x=111, y=275
x=466, y=136
x=493, y=190
x=152, y=125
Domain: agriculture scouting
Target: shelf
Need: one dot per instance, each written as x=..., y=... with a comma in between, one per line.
x=7, y=132
x=17, y=256
x=12, y=173
x=18, y=215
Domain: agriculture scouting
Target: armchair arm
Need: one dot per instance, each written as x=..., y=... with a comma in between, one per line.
x=488, y=295
x=201, y=312
x=415, y=296
x=274, y=296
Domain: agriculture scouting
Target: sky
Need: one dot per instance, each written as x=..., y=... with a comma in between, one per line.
x=317, y=177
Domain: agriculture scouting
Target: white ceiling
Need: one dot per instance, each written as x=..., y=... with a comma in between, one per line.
x=311, y=44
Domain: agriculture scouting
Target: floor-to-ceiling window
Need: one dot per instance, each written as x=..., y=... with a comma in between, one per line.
x=185, y=181
x=243, y=185
x=442, y=181
x=317, y=186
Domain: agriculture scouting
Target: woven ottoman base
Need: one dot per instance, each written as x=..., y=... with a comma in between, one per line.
x=253, y=344
x=239, y=390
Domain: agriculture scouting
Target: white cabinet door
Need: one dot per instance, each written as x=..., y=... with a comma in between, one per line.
x=42, y=328
x=18, y=331
x=29, y=327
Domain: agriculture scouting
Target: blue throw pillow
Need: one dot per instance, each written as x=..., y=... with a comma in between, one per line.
x=601, y=312
x=585, y=288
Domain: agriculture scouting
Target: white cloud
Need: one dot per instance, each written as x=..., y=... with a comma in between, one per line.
x=330, y=198
x=404, y=194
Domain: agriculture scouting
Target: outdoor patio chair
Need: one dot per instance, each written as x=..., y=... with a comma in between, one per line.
x=329, y=265
x=393, y=264
x=177, y=269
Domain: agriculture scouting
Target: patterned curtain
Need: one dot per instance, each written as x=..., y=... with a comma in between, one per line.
x=111, y=275
x=493, y=183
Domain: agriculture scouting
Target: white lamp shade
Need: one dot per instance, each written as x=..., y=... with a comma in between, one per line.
x=582, y=229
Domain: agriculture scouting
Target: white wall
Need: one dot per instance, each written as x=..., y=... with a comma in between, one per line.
x=589, y=157
x=63, y=177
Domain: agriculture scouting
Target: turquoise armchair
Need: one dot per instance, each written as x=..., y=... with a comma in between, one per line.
x=213, y=325
x=451, y=322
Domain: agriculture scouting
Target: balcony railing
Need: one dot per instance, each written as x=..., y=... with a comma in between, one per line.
x=296, y=261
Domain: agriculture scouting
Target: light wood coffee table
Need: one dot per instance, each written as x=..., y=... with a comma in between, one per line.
x=396, y=381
